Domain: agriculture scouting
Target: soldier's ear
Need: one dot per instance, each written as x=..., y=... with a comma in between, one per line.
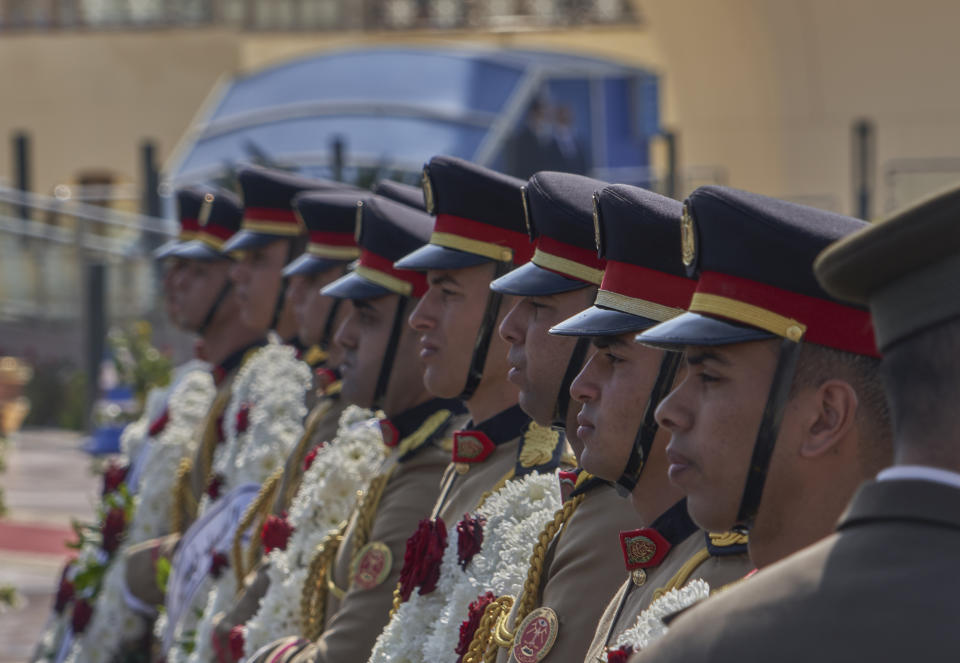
x=831, y=417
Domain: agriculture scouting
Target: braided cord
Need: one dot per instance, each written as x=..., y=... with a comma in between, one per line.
x=258, y=508
x=313, y=599
x=480, y=650
x=183, y=500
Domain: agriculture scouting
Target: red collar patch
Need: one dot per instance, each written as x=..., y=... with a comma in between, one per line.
x=471, y=446
x=568, y=481
x=643, y=548
x=391, y=436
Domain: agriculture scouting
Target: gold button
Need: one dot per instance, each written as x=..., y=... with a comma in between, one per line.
x=794, y=333
x=639, y=576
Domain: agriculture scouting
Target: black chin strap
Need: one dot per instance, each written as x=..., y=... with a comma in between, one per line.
x=390, y=354
x=767, y=433
x=282, y=294
x=328, y=330
x=215, y=306
x=573, y=369
x=643, y=441
x=482, y=345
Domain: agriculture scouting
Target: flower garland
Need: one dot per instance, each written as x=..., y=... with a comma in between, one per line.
x=90, y=601
x=327, y=496
x=262, y=424
x=113, y=623
x=485, y=553
x=649, y=626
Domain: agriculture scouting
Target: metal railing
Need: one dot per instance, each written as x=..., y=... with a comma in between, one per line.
x=317, y=15
x=47, y=243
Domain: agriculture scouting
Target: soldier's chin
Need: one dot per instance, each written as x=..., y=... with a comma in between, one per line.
x=528, y=403
x=440, y=383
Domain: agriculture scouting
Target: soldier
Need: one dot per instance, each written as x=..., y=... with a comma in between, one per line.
x=351, y=590
x=644, y=283
x=329, y=219
x=779, y=417
x=574, y=574
x=207, y=304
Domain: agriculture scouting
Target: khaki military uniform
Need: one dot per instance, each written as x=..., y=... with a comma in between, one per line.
x=882, y=589
x=355, y=615
x=721, y=566
x=582, y=569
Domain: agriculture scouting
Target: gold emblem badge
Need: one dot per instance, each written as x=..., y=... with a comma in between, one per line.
x=358, y=222
x=640, y=549
x=527, y=221
x=428, y=191
x=688, y=242
x=597, y=237
x=371, y=566
x=203, y=218
x=536, y=636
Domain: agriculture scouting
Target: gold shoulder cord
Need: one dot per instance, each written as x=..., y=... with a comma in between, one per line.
x=313, y=599
x=480, y=650
x=314, y=419
x=366, y=512
x=258, y=510
x=502, y=636
x=681, y=577
x=185, y=503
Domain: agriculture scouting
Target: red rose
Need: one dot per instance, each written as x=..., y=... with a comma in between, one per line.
x=213, y=488
x=218, y=562
x=421, y=559
x=160, y=424
x=308, y=459
x=243, y=418
x=275, y=533
x=469, y=538
x=82, y=611
x=469, y=626
x=113, y=476
x=65, y=590
x=236, y=643
x=619, y=655
x=112, y=529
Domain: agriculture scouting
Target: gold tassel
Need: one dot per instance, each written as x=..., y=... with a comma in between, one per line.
x=260, y=506
x=313, y=599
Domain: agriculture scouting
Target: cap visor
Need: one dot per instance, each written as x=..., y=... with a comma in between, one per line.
x=197, y=250
x=165, y=249
x=528, y=280
x=431, y=256
x=311, y=264
x=598, y=321
x=353, y=286
x=248, y=240
x=696, y=329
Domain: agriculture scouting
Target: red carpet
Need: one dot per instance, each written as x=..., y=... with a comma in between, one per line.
x=47, y=540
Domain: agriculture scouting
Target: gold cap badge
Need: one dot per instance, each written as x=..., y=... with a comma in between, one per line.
x=203, y=218
x=358, y=222
x=688, y=242
x=527, y=221
x=428, y=200
x=597, y=236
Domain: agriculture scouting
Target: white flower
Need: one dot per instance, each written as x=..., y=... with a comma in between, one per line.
x=326, y=497
x=427, y=628
x=649, y=626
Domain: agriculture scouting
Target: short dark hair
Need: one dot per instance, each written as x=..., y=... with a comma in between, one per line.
x=921, y=376
x=818, y=363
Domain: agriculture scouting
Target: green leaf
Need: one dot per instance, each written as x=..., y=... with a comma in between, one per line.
x=163, y=573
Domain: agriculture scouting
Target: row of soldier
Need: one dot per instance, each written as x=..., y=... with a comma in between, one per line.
x=544, y=419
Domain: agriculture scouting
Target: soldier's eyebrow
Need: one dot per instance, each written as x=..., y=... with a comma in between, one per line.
x=698, y=357
x=608, y=341
x=362, y=305
x=443, y=278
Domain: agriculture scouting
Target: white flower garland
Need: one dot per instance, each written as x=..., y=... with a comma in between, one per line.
x=427, y=628
x=327, y=496
x=649, y=626
x=113, y=623
x=273, y=384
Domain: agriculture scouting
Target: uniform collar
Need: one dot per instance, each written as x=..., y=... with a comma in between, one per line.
x=921, y=472
x=903, y=500
x=646, y=547
x=401, y=425
x=233, y=360
x=475, y=443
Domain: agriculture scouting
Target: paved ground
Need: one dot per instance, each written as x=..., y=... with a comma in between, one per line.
x=48, y=481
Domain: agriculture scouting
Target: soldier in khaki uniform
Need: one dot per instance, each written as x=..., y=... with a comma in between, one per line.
x=820, y=437
x=644, y=283
x=206, y=303
x=328, y=219
x=574, y=574
x=351, y=591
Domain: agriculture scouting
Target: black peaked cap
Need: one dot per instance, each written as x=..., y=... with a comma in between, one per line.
x=402, y=193
x=219, y=219
x=329, y=218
